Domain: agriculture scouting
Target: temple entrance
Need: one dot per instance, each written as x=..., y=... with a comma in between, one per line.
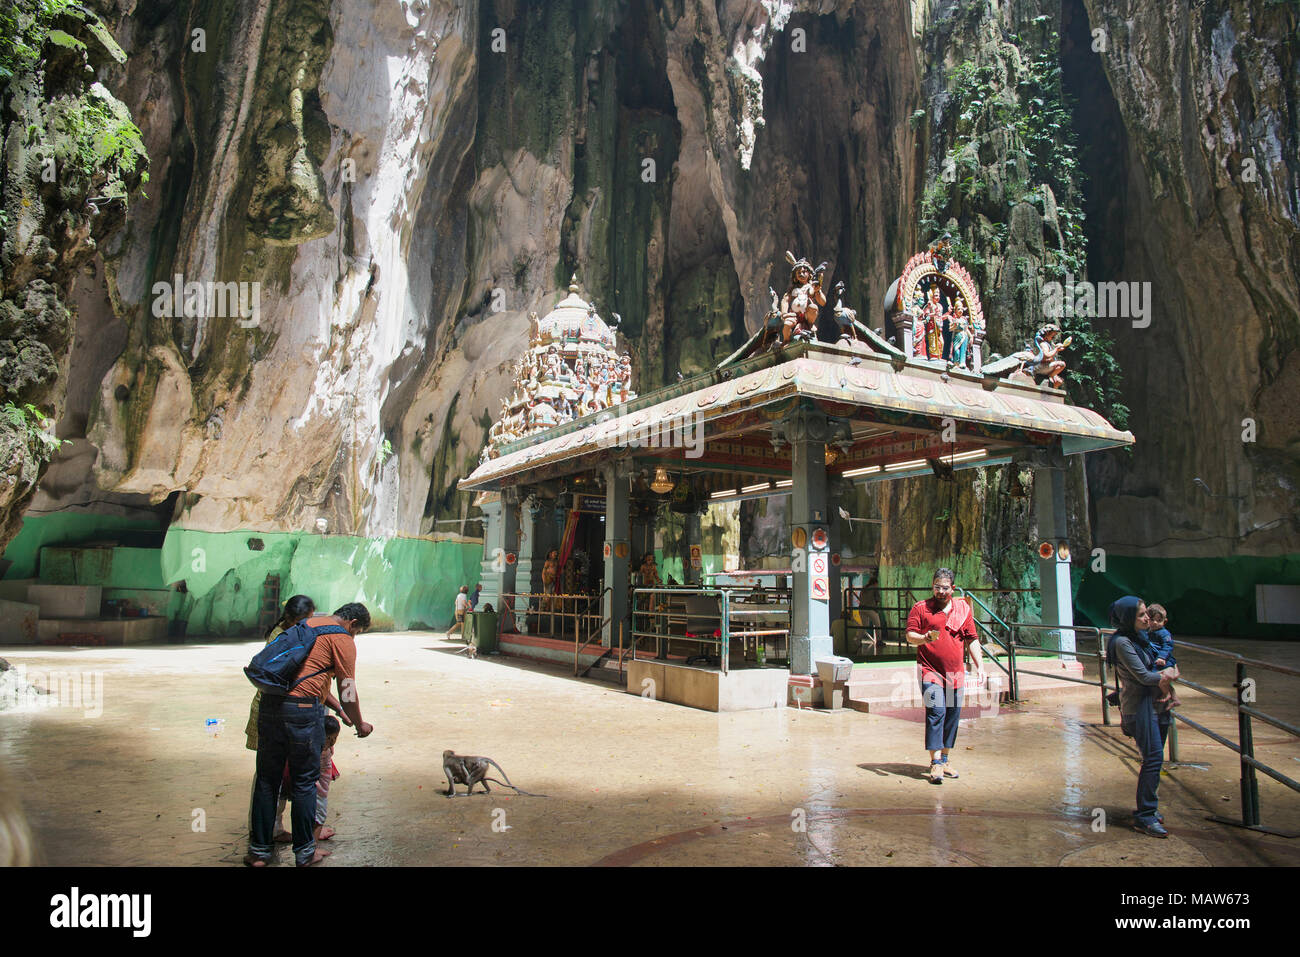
x=582, y=573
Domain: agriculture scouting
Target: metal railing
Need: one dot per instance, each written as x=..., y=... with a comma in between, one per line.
x=571, y=611
x=1244, y=747
x=986, y=629
x=657, y=615
x=893, y=604
x=595, y=634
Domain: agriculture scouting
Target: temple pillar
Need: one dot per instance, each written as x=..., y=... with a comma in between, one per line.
x=694, y=536
x=835, y=605
x=508, y=557
x=615, y=610
x=1054, y=572
x=536, y=531
x=908, y=323
x=492, y=565
x=977, y=350
x=810, y=636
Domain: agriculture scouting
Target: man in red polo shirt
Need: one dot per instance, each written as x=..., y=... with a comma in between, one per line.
x=941, y=626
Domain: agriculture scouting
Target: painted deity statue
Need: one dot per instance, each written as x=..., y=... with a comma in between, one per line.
x=624, y=377
x=549, y=569
x=961, y=335
x=802, y=300
x=1042, y=361
x=648, y=575
x=932, y=317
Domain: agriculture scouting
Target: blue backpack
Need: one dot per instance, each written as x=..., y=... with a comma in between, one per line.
x=273, y=669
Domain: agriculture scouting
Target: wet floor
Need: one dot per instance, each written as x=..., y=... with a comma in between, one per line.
x=132, y=775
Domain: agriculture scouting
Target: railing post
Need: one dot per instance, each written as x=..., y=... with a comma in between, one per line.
x=1173, y=739
x=1246, y=740
x=1105, y=692
x=726, y=632
x=1011, y=661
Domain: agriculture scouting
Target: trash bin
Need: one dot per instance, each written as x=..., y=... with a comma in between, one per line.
x=834, y=672
x=481, y=631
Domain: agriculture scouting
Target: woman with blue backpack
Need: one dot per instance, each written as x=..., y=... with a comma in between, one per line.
x=1133, y=656
x=295, y=610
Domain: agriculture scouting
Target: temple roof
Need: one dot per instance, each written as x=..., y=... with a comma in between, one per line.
x=882, y=397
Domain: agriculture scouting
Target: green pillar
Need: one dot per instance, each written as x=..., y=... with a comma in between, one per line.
x=1054, y=572
x=510, y=549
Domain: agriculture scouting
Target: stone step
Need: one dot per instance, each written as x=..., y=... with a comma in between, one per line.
x=890, y=688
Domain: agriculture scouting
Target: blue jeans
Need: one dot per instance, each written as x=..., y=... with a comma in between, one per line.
x=1150, y=731
x=942, y=712
x=292, y=730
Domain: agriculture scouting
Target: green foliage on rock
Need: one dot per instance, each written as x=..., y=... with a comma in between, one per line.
x=70, y=156
x=32, y=424
x=1016, y=107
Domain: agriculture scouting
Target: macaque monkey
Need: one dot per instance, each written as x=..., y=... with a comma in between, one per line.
x=471, y=769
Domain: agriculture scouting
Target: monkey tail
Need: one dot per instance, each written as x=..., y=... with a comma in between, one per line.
x=503, y=773
x=513, y=788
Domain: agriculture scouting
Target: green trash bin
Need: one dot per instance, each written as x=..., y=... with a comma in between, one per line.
x=481, y=631
x=468, y=628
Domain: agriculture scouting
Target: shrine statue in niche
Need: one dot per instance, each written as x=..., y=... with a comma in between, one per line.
x=803, y=300
x=933, y=316
x=960, y=334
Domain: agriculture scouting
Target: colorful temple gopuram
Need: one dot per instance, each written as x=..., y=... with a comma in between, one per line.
x=813, y=403
x=572, y=368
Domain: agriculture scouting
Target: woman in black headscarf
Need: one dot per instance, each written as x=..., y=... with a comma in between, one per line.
x=1133, y=657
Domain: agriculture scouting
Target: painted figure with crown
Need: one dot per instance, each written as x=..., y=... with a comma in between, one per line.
x=802, y=300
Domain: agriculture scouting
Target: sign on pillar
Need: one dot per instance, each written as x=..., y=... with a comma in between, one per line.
x=819, y=571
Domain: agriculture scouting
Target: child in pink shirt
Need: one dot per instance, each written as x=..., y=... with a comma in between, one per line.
x=328, y=773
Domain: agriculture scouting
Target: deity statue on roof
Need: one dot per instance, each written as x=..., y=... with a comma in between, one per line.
x=802, y=300
x=1042, y=361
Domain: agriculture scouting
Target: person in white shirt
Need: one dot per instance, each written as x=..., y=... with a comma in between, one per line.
x=462, y=607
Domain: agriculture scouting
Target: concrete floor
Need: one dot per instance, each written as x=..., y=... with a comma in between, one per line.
x=630, y=780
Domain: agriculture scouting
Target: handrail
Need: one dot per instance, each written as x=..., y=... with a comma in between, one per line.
x=723, y=638
x=599, y=631
x=966, y=593
x=1244, y=748
x=1009, y=667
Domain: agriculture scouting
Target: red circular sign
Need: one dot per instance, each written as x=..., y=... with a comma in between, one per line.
x=835, y=559
x=1046, y=550
x=510, y=558
x=819, y=538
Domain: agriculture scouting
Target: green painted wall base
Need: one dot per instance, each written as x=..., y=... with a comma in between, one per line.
x=405, y=582
x=69, y=528
x=1204, y=596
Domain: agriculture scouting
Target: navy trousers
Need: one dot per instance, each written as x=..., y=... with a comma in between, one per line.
x=1149, y=731
x=942, y=712
x=292, y=730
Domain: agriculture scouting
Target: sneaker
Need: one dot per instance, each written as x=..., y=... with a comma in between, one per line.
x=936, y=773
x=1154, y=829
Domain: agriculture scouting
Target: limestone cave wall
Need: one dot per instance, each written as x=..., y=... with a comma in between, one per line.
x=396, y=185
